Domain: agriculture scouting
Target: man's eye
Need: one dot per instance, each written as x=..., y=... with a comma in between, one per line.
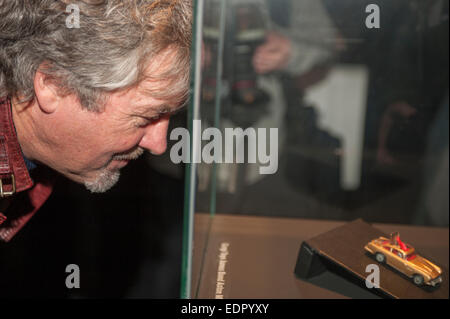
x=141, y=124
x=145, y=121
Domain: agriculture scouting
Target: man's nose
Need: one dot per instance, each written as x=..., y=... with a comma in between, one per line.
x=155, y=138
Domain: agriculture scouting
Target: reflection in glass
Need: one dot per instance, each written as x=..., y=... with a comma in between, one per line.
x=361, y=112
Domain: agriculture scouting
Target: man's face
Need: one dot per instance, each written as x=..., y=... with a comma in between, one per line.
x=91, y=148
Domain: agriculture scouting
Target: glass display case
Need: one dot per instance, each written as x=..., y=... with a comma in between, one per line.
x=305, y=115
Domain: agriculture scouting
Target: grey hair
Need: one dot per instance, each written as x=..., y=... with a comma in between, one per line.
x=110, y=50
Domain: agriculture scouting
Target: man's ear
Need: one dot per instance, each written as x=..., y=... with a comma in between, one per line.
x=46, y=93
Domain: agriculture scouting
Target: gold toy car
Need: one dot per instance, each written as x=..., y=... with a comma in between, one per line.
x=403, y=257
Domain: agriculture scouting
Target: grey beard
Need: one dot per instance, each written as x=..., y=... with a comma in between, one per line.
x=105, y=181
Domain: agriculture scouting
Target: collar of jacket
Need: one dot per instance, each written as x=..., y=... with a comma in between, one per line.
x=14, y=176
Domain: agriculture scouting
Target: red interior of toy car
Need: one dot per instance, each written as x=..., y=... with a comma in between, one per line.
x=402, y=246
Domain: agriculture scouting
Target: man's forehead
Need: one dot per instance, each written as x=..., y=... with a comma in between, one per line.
x=164, y=87
x=161, y=97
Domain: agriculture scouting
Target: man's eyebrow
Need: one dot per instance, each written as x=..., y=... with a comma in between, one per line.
x=160, y=110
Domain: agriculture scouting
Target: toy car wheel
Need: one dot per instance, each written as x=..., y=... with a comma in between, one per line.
x=418, y=280
x=380, y=257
